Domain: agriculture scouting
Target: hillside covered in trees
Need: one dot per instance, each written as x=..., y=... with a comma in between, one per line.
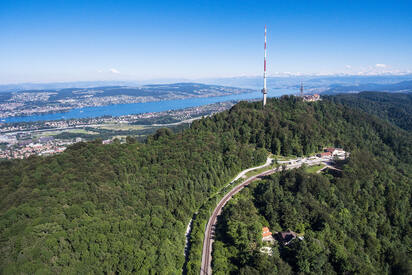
x=354, y=223
x=393, y=107
x=123, y=208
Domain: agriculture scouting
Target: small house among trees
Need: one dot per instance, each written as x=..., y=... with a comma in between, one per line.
x=267, y=235
x=325, y=154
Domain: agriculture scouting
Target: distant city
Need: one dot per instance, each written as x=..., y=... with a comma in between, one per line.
x=32, y=102
x=49, y=136
x=21, y=140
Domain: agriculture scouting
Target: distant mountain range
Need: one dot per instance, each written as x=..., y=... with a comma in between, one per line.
x=60, y=85
x=404, y=86
x=311, y=83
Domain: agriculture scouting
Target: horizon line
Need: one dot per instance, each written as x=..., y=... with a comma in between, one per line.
x=185, y=79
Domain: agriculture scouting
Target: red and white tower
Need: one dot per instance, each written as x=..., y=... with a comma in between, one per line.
x=264, y=90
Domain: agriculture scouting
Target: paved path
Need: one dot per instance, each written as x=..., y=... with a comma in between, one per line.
x=328, y=166
x=206, y=268
x=241, y=174
x=244, y=172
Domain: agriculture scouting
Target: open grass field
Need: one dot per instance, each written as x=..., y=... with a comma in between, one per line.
x=120, y=127
x=314, y=169
x=258, y=171
x=283, y=158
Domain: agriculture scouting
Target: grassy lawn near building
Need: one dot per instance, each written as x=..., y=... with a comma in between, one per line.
x=313, y=169
x=283, y=158
x=258, y=171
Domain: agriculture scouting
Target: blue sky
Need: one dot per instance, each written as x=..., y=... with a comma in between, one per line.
x=48, y=41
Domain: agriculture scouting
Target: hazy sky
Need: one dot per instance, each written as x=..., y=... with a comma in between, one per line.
x=45, y=41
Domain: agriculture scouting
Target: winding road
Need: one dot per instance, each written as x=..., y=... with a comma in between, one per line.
x=206, y=268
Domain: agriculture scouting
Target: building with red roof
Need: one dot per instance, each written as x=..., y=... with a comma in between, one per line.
x=267, y=235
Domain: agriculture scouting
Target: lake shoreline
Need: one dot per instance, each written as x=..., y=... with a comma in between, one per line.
x=137, y=108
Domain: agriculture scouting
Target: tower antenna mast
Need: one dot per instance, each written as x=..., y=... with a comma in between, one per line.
x=301, y=89
x=264, y=90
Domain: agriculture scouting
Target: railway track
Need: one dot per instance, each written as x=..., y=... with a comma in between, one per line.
x=206, y=268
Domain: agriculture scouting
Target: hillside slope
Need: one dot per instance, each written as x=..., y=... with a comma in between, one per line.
x=404, y=86
x=393, y=107
x=124, y=207
x=354, y=222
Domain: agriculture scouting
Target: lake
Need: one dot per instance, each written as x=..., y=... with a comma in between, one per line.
x=138, y=108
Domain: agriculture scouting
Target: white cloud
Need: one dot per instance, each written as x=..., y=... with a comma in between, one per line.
x=381, y=65
x=348, y=67
x=114, y=71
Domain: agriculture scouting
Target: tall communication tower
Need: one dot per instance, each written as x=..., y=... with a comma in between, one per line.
x=301, y=89
x=264, y=90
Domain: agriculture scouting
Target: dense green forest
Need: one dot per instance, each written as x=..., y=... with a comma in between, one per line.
x=393, y=107
x=123, y=208
x=355, y=223
x=288, y=126
x=101, y=133
x=115, y=208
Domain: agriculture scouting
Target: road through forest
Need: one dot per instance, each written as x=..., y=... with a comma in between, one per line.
x=206, y=268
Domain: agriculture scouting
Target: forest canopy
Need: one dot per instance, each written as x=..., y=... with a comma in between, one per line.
x=124, y=208
x=393, y=107
x=357, y=222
